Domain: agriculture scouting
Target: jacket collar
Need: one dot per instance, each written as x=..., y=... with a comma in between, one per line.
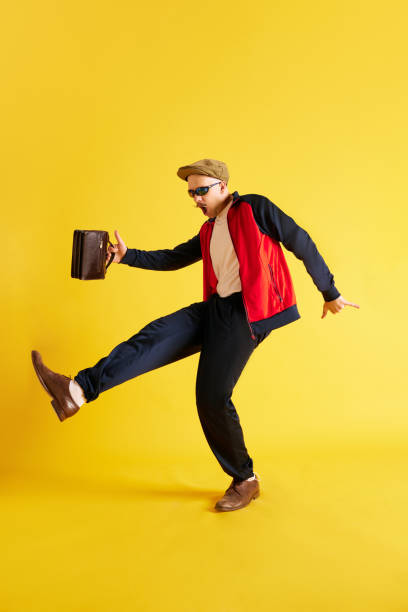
x=235, y=196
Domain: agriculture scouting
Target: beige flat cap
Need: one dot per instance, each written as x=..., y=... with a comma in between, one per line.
x=208, y=167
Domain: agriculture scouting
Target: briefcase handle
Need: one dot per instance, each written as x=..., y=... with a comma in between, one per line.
x=112, y=257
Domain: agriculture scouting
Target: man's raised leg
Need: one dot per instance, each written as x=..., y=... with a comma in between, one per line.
x=163, y=341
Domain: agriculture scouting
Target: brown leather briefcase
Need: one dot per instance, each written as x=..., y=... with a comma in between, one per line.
x=89, y=252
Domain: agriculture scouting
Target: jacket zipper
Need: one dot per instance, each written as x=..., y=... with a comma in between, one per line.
x=275, y=285
x=243, y=298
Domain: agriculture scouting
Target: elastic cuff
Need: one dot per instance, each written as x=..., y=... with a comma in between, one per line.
x=127, y=258
x=331, y=294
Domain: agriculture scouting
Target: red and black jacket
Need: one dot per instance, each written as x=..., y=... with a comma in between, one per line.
x=257, y=227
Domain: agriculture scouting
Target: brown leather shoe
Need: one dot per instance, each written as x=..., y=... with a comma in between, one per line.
x=57, y=386
x=239, y=494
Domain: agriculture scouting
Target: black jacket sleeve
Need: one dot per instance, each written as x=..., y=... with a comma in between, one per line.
x=273, y=221
x=182, y=255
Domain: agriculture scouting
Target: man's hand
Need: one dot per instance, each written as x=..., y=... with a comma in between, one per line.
x=119, y=249
x=336, y=305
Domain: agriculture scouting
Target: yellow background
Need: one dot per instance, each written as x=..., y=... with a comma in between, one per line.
x=307, y=104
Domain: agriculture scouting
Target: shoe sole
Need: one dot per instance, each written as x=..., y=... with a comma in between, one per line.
x=58, y=410
x=221, y=509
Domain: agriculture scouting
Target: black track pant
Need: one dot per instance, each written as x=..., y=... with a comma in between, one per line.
x=219, y=329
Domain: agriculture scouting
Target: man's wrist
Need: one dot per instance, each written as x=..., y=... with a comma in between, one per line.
x=123, y=260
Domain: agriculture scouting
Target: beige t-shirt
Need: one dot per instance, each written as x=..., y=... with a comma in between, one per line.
x=223, y=256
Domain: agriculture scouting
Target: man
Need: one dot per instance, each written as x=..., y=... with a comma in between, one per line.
x=248, y=292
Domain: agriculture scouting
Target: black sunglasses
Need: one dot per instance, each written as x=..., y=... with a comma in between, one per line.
x=201, y=190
